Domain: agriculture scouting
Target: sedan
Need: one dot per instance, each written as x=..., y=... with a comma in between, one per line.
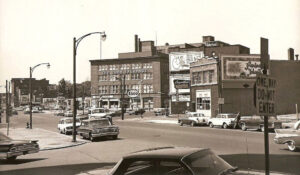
x=11, y=149
x=174, y=161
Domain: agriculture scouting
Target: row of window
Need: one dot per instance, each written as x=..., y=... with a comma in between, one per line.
x=116, y=89
x=133, y=76
x=202, y=77
x=125, y=66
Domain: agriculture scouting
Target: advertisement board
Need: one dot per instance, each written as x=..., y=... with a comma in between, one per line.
x=240, y=67
x=179, y=78
x=181, y=60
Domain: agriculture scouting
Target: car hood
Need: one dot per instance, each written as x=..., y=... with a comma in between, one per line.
x=17, y=142
x=104, y=171
x=286, y=132
x=254, y=172
x=98, y=115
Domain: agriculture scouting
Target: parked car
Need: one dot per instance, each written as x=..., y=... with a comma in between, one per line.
x=97, y=128
x=18, y=108
x=223, y=120
x=257, y=123
x=174, y=161
x=35, y=110
x=65, y=125
x=11, y=149
x=14, y=112
x=193, y=118
x=27, y=111
x=161, y=111
x=98, y=113
x=290, y=136
x=59, y=113
x=68, y=114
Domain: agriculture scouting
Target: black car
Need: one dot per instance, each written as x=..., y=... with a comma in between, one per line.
x=139, y=112
x=174, y=161
x=11, y=149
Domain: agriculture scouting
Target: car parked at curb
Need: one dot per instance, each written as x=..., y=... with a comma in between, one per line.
x=65, y=125
x=68, y=114
x=11, y=149
x=174, y=161
x=257, y=123
x=98, y=128
x=59, y=113
x=290, y=136
x=193, y=119
x=223, y=120
x=161, y=111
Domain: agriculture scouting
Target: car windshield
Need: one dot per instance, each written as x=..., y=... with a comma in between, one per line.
x=231, y=115
x=96, y=123
x=206, y=163
x=98, y=111
x=68, y=120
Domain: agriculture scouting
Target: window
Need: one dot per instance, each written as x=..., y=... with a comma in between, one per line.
x=102, y=77
x=127, y=77
x=147, y=66
x=196, y=77
x=136, y=66
x=103, y=89
x=205, y=76
x=148, y=88
x=113, y=67
x=148, y=76
x=137, y=87
x=113, y=77
x=135, y=76
x=114, y=89
x=203, y=103
x=210, y=76
x=102, y=67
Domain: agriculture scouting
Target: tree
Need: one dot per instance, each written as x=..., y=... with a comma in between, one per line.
x=65, y=88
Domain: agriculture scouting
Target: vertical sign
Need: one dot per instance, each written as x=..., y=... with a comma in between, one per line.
x=264, y=53
x=265, y=95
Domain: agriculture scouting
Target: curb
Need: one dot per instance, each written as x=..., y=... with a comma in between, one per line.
x=47, y=149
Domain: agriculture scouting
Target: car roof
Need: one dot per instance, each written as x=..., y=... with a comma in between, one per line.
x=176, y=153
x=95, y=119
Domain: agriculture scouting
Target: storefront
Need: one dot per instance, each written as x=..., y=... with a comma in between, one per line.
x=203, y=102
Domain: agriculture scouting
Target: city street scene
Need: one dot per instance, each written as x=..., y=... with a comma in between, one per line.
x=147, y=87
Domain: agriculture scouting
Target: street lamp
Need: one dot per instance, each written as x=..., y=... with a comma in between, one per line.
x=75, y=46
x=31, y=69
x=122, y=88
x=141, y=100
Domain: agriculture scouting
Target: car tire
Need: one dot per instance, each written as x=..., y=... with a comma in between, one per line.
x=211, y=125
x=224, y=126
x=181, y=123
x=292, y=146
x=65, y=132
x=91, y=138
x=244, y=128
x=115, y=137
x=12, y=158
x=262, y=128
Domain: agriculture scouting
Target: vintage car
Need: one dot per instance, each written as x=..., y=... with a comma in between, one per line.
x=98, y=113
x=193, y=118
x=161, y=111
x=65, y=125
x=223, y=120
x=68, y=114
x=59, y=113
x=174, y=161
x=11, y=149
x=97, y=128
x=257, y=123
x=290, y=136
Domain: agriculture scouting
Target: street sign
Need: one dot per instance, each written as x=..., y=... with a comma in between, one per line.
x=264, y=53
x=265, y=95
x=133, y=93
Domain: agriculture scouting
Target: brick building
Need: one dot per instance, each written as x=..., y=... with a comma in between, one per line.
x=20, y=90
x=145, y=70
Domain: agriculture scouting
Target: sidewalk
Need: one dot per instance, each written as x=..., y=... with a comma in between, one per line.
x=47, y=140
x=153, y=119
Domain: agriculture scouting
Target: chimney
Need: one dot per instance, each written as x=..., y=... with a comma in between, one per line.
x=139, y=45
x=291, y=54
x=297, y=57
x=136, y=46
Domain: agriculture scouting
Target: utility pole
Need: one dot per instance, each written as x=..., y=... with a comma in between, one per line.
x=30, y=99
x=122, y=79
x=74, y=90
x=83, y=99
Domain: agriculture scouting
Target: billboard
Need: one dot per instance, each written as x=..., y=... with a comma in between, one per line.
x=240, y=67
x=179, y=61
x=179, y=81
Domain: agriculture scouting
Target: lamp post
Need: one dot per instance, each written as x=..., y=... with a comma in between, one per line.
x=141, y=100
x=31, y=69
x=75, y=46
x=122, y=88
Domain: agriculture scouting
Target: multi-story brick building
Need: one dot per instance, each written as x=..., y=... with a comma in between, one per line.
x=145, y=70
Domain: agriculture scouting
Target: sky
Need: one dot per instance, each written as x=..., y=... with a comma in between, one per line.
x=41, y=31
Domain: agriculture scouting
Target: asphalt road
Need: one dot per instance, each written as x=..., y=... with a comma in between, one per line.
x=239, y=148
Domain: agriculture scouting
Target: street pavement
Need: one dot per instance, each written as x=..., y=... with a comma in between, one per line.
x=239, y=148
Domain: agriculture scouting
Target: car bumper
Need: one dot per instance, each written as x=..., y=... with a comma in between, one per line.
x=104, y=134
x=19, y=153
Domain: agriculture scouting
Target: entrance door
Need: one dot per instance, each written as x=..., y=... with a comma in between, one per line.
x=203, y=102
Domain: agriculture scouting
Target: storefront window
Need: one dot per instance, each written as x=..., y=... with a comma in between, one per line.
x=203, y=103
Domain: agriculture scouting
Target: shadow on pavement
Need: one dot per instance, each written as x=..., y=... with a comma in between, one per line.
x=278, y=163
x=62, y=169
x=19, y=161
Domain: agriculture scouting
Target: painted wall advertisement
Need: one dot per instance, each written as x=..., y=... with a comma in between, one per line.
x=239, y=68
x=181, y=60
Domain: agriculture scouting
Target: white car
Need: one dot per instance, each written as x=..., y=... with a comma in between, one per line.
x=223, y=120
x=193, y=118
x=65, y=125
x=97, y=113
x=68, y=114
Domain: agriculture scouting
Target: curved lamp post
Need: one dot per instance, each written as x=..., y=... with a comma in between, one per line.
x=75, y=46
x=30, y=90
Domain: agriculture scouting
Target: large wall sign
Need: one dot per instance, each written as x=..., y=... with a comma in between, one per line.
x=181, y=60
x=240, y=67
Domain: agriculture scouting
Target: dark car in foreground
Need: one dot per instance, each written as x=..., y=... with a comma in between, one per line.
x=290, y=137
x=96, y=128
x=174, y=161
x=11, y=149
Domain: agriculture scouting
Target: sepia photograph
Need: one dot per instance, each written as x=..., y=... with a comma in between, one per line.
x=149, y=87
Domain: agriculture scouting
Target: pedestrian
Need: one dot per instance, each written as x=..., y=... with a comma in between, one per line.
x=237, y=120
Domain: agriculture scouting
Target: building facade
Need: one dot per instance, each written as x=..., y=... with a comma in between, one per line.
x=143, y=70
